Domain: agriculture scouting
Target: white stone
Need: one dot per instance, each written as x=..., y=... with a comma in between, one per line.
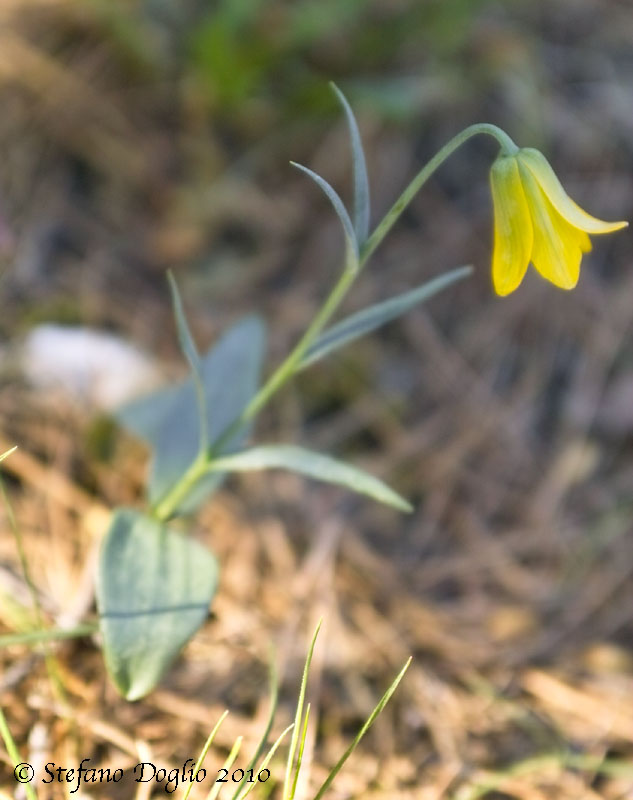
x=96, y=368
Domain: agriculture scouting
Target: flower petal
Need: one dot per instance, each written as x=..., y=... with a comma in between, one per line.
x=558, y=245
x=540, y=168
x=513, y=226
x=584, y=241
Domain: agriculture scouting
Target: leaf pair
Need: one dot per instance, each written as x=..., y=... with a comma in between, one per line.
x=357, y=232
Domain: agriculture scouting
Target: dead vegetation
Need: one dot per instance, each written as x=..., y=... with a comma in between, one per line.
x=508, y=423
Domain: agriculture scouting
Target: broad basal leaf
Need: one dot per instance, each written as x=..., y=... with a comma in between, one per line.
x=154, y=587
x=168, y=419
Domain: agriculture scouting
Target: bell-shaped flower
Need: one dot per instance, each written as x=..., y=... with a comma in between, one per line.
x=535, y=220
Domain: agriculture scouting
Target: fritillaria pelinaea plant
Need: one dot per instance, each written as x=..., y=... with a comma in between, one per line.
x=155, y=583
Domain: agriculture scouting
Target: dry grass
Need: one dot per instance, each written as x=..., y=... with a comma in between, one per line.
x=508, y=422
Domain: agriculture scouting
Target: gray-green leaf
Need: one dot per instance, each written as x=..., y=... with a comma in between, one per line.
x=154, y=587
x=351, y=242
x=190, y=352
x=187, y=344
x=313, y=465
x=367, y=320
x=361, y=181
x=168, y=419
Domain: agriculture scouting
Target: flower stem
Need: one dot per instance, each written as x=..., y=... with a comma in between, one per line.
x=169, y=504
x=508, y=147
x=290, y=365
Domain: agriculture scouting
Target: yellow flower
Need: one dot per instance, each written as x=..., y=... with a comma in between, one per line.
x=535, y=220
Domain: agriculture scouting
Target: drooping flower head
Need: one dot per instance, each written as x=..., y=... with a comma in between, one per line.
x=536, y=220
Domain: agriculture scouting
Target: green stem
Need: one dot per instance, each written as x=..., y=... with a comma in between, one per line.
x=508, y=147
x=290, y=365
x=169, y=504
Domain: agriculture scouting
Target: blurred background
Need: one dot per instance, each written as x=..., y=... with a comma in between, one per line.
x=137, y=136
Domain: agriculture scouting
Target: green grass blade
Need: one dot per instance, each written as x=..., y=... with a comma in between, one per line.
x=228, y=763
x=361, y=181
x=370, y=721
x=373, y=317
x=48, y=634
x=302, y=741
x=204, y=751
x=299, y=714
x=8, y=452
x=12, y=750
x=268, y=758
x=52, y=666
x=274, y=697
x=313, y=465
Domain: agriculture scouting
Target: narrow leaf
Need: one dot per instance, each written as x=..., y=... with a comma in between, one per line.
x=214, y=792
x=274, y=698
x=302, y=744
x=266, y=761
x=190, y=352
x=288, y=783
x=361, y=181
x=351, y=241
x=373, y=317
x=154, y=587
x=205, y=750
x=370, y=721
x=22, y=768
x=313, y=465
x=187, y=344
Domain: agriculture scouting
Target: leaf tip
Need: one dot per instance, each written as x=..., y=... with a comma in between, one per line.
x=8, y=452
x=335, y=89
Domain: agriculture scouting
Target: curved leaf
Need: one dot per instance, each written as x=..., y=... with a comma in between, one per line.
x=367, y=320
x=351, y=243
x=313, y=465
